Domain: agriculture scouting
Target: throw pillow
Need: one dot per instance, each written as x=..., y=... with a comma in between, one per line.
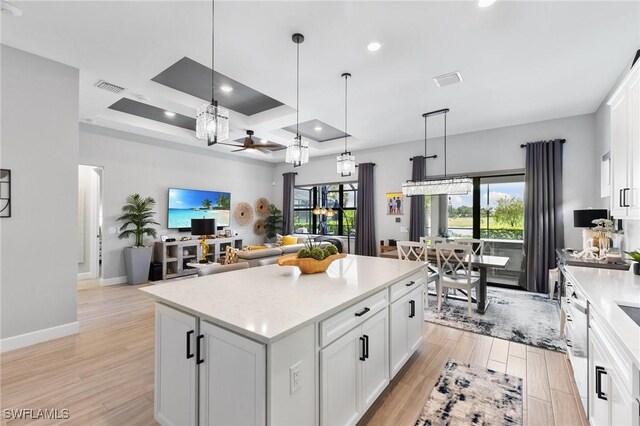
x=289, y=240
x=279, y=239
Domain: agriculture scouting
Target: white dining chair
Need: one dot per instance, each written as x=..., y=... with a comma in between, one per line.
x=411, y=250
x=451, y=261
x=477, y=248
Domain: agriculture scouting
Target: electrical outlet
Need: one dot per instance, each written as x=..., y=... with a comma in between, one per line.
x=404, y=229
x=294, y=377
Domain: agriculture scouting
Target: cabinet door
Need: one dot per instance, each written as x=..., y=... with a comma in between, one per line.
x=176, y=386
x=619, y=154
x=633, y=191
x=398, y=324
x=375, y=368
x=415, y=320
x=232, y=378
x=598, y=384
x=623, y=411
x=341, y=371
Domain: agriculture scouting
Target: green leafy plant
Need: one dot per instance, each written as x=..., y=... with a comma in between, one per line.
x=273, y=222
x=138, y=213
x=635, y=255
x=317, y=253
x=304, y=253
x=206, y=203
x=313, y=250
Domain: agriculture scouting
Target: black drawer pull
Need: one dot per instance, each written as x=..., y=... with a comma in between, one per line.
x=410, y=283
x=624, y=198
x=599, y=372
x=362, y=312
x=620, y=199
x=199, y=359
x=362, y=349
x=412, y=304
x=189, y=353
x=366, y=346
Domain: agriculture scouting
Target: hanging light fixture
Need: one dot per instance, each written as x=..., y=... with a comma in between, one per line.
x=346, y=162
x=445, y=185
x=298, y=149
x=212, y=121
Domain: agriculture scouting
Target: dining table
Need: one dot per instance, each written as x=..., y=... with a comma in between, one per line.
x=480, y=261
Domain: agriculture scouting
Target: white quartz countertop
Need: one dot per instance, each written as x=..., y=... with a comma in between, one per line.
x=605, y=289
x=269, y=302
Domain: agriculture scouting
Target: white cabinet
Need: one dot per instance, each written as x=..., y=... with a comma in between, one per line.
x=354, y=371
x=625, y=147
x=406, y=322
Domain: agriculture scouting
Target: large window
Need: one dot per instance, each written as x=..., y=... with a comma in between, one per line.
x=341, y=198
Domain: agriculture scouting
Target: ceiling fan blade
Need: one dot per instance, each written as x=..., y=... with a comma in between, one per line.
x=262, y=150
x=229, y=144
x=271, y=145
x=238, y=150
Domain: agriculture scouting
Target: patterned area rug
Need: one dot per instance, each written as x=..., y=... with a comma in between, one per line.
x=469, y=395
x=519, y=316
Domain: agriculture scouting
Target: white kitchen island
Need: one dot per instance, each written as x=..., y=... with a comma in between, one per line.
x=268, y=345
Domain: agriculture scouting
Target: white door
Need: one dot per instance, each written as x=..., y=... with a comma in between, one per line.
x=622, y=405
x=375, y=368
x=619, y=154
x=398, y=324
x=175, y=401
x=598, y=384
x=341, y=370
x=232, y=378
x=415, y=320
x=633, y=191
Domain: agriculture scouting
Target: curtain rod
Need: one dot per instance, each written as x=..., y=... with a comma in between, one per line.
x=430, y=156
x=295, y=173
x=522, y=145
x=365, y=163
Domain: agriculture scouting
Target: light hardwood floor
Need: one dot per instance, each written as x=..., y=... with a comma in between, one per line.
x=104, y=374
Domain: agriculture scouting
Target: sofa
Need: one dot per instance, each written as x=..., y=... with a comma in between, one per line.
x=253, y=257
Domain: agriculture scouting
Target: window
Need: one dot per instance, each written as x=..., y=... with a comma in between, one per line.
x=341, y=198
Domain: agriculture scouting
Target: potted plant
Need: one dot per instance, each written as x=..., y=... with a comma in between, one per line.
x=273, y=222
x=137, y=221
x=635, y=255
x=312, y=258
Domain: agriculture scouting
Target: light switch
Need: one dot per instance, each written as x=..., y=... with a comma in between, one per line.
x=404, y=229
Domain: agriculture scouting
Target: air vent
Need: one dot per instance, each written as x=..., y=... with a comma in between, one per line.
x=104, y=85
x=448, y=79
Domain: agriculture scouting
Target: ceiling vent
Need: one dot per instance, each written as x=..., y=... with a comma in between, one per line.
x=104, y=85
x=448, y=79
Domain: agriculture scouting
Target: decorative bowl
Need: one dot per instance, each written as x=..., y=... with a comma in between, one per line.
x=309, y=265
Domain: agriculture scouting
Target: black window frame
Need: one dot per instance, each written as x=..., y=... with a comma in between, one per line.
x=315, y=201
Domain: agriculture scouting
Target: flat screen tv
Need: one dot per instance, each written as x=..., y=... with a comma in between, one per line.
x=187, y=204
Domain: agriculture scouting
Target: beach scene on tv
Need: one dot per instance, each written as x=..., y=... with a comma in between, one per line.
x=187, y=204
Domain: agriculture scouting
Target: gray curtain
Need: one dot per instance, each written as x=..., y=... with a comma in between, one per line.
x=288, y=184
x=365, y=219
x=416, y=214
x=543, y=223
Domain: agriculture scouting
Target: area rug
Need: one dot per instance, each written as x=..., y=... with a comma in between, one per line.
x=518, y=316
x=470, y=395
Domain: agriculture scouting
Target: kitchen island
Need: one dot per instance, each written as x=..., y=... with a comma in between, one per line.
x=268, y=345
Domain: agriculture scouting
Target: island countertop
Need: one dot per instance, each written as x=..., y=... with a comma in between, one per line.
x=269, y=302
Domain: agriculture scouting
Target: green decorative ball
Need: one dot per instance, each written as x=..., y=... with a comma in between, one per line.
x=317, y=253
x=326, y=251
x=332, y=249
x=304, y=253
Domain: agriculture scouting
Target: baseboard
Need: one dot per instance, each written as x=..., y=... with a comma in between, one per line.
x=28, y=339
x=113, y=281
x=84, y=276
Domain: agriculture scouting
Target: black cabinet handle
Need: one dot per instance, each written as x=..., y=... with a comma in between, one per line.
x=620, y=199
x=199, y=359
x=412, y=304
x=366, y=346
x=599, y=372
x=189, y=353
x=410, y=283
x=624, y=198
x=362, y=349
x=362, y=312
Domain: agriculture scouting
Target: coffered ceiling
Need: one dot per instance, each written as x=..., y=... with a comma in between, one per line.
x=520, y=62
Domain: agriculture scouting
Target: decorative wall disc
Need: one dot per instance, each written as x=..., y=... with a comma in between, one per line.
x=262, y=207
x=258, y=227
x=243, y=214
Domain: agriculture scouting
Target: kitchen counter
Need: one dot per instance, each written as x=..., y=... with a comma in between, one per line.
x=604, y=288
x=270, y=302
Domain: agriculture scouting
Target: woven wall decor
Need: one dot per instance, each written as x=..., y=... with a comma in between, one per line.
x=243, y=213
x=262, y=207
x=258, y=227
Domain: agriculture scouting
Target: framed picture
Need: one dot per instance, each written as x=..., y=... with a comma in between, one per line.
x=605, y=175
x=395, y=203
x=227, y=233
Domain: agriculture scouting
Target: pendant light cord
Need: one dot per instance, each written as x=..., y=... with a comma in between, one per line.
x=213, y=47
x=297, y=89
x=445, y=145
x=346, y=77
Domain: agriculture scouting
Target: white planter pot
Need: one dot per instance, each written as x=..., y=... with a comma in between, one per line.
x=137, y=261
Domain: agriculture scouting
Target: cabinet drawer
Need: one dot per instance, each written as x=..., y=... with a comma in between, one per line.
x=340, y=323
x=404, y=286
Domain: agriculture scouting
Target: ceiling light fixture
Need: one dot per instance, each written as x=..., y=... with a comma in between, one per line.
x=346, y=163
x=485, y=3
x=263, y=141
x=226, y=88
x=317, y=128
x=298, y=149
x=212, y=121
x=442, y=186
x=374, y=46
x=10, y=9
x=170, y=114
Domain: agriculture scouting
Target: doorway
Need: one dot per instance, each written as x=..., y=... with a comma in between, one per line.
x=89, y=225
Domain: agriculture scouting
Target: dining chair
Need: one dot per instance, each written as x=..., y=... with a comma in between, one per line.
x=222, y=268
x=451, y=261
x=477, y=248
x=411, y=250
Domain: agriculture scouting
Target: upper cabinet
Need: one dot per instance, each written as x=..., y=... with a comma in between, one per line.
x=625, y=147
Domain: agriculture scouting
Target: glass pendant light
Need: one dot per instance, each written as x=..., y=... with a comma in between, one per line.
x=445, y=185
x=298, y=149
x=346, y=163
x=212, y=121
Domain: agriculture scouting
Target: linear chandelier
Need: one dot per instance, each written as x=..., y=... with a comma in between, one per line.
x=440, y=186
x=212, y=121
x=298, y=149
x=346, y=162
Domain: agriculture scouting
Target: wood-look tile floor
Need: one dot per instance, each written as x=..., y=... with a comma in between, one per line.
x=104, y=374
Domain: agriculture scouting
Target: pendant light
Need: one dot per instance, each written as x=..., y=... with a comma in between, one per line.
x=346, y=163
x=297, y=150
x=445, y=185
x=212, y=121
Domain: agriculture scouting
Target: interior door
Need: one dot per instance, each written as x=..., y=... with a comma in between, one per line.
x=375, y=368
x=415, y=319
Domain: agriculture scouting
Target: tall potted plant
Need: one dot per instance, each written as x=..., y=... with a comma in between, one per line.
x=273, y=222
x=137, y=221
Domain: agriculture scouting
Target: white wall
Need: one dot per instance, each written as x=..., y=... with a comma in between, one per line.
x=477, y=152
x=40, y=146
x=135, y=164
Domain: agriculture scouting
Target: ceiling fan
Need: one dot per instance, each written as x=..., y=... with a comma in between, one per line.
x=249, y=145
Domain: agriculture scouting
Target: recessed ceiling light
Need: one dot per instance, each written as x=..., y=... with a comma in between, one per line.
x=263, y=141
x=317, y=128
x=142, y=98
x=485, y=3
x=226, y=88
x=374, y=46
x=447, y=79
x=10, y=9
x=170, y=114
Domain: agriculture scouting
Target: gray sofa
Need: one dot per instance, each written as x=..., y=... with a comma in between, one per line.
x=253, y=257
